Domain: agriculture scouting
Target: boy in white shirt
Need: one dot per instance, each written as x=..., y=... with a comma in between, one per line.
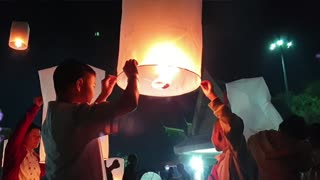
x=72, y=121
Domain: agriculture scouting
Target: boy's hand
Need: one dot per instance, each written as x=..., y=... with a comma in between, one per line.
x=115, y=164
x=107, y=84
x=38, y=101
x=130, y=68
x=207, y=89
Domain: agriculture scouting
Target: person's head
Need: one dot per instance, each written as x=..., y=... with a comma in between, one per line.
x=218, y=138
x=314, y=135
x=294, y=127
x=132, y=159
x=32, y=138
x=171, y=171
x=74, y=82
x=180, y=167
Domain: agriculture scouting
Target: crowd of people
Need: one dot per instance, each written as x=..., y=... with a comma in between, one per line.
x=74, y=120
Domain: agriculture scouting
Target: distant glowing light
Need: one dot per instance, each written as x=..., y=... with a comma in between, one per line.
x=210, y=150
x=272, y=46
x=18, y=43
x=97, y=34
x=280, y=42
x=289, y=44
x=1, y=115
x=197, y=164
x=167, y=167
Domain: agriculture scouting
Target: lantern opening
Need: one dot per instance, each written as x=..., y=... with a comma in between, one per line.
x=18, y=43
x=157, y=84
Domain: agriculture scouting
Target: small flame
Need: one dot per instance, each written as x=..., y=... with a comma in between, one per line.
x=18, y=43
x=168, y=58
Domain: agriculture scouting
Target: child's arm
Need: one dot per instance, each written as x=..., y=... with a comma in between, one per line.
x=95, y=118
x=17, y=138
x=231, y=124
x=107, y=86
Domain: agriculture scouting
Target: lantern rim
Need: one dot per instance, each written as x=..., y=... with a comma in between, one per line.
x=196, y=80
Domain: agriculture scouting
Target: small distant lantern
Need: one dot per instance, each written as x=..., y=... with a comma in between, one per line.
x=165, y=37
x=19, y=35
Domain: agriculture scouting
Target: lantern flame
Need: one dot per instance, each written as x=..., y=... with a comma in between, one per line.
x=167, y=57
x=18, y=43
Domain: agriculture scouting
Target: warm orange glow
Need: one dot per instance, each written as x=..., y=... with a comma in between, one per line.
x=18, y=43
x=167, y=54
x=19, y=35
x=168, y=58
x=166, y=40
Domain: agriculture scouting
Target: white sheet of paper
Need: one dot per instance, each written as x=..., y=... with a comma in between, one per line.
x=250, y=99
x=116, y=173
x=5, y=142
x=48, y=94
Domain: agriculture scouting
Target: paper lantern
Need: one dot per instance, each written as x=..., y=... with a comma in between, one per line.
x=150, y=176
x=250, y=99
x=19, y=35
x=104, y=146
x=48, y=94
x=116, y=173
x=165, y=37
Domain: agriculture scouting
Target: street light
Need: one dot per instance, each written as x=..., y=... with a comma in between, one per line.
x=281, y=45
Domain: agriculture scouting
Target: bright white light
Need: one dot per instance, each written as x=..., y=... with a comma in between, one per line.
x=18, y=43
x=1, y=115
x=167, y=167
x=165, y=76
x=280, y=42
x=272, y=46
x=210, y=150
x=289, y=44
x=197, y=164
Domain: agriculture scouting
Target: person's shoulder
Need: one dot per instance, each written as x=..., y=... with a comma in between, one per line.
x=64, y=105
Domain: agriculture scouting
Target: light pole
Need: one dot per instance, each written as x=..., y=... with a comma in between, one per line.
x=280, y=44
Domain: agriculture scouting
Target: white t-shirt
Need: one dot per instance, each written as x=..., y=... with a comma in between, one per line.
x=70, y=134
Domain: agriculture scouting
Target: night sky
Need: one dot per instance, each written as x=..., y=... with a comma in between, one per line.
x=236, y=38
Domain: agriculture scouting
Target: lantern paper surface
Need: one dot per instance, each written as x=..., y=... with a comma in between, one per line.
x=250, y=99
x=5, y=142
x=150, y=176
x=19, y=35
x=116, y=173
x=48, y=94
x=165, y=37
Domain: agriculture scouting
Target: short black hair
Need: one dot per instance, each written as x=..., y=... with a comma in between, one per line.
x=314, y=135
x=294, y=126
x=33, y=126
x=67, y=74
x=132, y=158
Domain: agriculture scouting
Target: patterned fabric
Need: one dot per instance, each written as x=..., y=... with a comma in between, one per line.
x=30, y=168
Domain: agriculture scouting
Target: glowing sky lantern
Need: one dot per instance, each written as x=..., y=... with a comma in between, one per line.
x=19, y=35
x=165, y=37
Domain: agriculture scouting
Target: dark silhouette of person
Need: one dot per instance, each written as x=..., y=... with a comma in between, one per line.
x=130, y=170
x=183, y=172
x=170, y=174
